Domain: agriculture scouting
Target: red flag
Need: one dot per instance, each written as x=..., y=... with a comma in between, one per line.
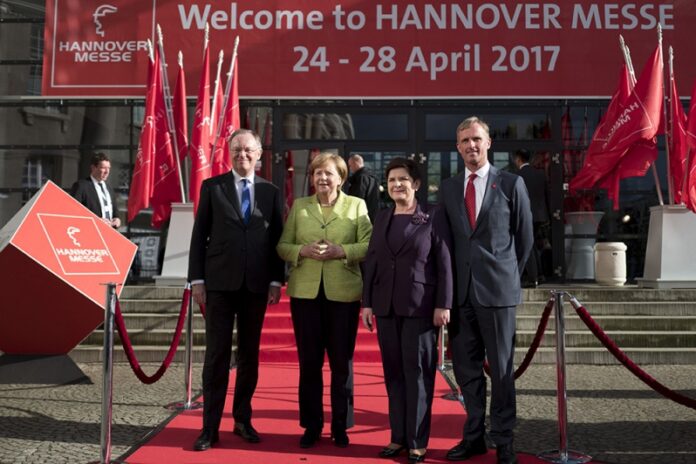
x=166, y=189
x=230, y=123
x=267, y=153
x=179, y=110
x=623, y=144
x=690, y=191
x=677, y=142
x=289, y=177
x=200, y=136
x=141, y=182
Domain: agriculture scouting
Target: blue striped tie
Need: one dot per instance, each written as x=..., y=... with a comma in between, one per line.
x=246, y=201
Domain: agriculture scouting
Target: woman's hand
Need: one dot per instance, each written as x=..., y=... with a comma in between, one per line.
x=312, y=250
x=332, y=251
x=441, y=317
x=322, y=250
x=367, y=318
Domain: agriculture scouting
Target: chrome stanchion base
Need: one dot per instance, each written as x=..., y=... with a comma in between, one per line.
x=113, y=461
x=570, y=457
x=454, y=394
x=183, y=406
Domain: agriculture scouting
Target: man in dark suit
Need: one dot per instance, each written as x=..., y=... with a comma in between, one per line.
x=363, y=184
x=535, y=180
x=491, y=221
x=236, y=272
x=95, y=194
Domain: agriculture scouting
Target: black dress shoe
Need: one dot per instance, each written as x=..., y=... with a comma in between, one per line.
x=466, y=449
x=388, y=452
x=413, y=458
x=506, y=454
x=247, y=432
x=309, y=438
x=340, y=438
x=205, y=440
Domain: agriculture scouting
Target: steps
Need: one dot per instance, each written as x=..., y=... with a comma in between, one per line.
x=652, y=326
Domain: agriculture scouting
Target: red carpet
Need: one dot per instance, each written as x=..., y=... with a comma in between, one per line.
x=276, y=419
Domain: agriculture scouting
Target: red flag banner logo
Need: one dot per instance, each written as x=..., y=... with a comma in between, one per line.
x=623, y=144
x=165, y=189
x=220, y=158
x=142, y=180
x=201, y=135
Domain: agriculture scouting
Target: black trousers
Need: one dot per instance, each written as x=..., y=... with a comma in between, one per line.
x=486, y=332
x=325, y=326
x=222, y=308
x=409, y=358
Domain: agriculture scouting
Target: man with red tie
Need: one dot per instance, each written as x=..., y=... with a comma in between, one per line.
x=491, y=221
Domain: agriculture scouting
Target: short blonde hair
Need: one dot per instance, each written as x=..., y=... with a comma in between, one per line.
x=322, y=159
x=468, y=122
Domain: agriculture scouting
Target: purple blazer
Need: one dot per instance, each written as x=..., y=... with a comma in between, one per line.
x=415, y=279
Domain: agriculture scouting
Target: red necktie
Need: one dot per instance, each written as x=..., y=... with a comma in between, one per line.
x=470, y=201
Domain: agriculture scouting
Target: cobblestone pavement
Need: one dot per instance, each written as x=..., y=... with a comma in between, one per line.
x=611, y=414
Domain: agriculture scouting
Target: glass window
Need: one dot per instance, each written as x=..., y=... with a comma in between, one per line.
x=528, y=126
x=345, y=126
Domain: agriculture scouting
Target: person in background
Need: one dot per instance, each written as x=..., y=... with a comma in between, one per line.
x=491, y=221
x=95, y=194
x=363, y=184
x=535, y=180
x=236, y=273
x=408, y=287
x=324, y=240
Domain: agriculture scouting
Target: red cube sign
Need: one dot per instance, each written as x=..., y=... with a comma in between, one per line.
x=56, y=256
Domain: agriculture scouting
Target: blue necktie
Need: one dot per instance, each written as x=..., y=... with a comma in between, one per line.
x=246, y=201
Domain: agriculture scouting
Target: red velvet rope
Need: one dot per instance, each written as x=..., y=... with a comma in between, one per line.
x=202, y=308
x=128, y=347
x=627, y=362
x=543, y=322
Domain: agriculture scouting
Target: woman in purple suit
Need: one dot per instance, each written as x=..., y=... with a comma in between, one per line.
x=408, y=289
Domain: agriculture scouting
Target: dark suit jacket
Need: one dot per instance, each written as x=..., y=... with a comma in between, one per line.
x=535, y=180
x=85, y=192
x=493, y=254
x=416, y=278
x=224, y=251
x=363, y=184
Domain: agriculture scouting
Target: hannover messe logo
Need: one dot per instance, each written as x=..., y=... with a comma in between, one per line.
x=99, y=13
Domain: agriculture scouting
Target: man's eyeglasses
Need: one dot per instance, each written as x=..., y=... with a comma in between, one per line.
x=247, y=151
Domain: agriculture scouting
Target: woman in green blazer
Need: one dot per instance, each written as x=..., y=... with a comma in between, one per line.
x=324, y=239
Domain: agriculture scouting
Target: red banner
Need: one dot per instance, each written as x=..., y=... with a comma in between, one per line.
x=358, y=49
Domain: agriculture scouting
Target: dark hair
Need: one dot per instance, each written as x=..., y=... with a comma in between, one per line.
x=98, y=158
x=408, y=164
x=524, y=155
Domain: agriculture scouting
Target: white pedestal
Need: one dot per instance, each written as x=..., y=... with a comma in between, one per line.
x=670, y=257
x=176, y=253
x=581, y=262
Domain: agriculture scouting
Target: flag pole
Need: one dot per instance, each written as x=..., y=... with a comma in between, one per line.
x=226, y=99
x=669, y=130
x=221, y=56
x=170, y=111
x=668, y=122
x=629, y=64
x=184, y=170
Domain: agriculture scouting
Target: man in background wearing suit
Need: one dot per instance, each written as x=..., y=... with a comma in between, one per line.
x=535, y=180
x=236, y=272
x=491, y=220
x=94, y=193
x=363, y=184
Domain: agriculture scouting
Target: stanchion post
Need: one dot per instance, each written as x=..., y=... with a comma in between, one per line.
x=454, y=395
x=562, y=455
x=108, y=375
x=187, y=404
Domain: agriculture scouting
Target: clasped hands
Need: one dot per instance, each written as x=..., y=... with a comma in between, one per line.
x=322, y=250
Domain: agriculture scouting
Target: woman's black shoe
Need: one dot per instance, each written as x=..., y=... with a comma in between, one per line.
x=309, y=438
x=388, y=452
x=414, y=458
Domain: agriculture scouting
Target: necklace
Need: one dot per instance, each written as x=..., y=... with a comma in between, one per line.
x=327, y=205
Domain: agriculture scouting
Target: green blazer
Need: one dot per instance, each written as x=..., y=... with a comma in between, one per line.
x=348, y=226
